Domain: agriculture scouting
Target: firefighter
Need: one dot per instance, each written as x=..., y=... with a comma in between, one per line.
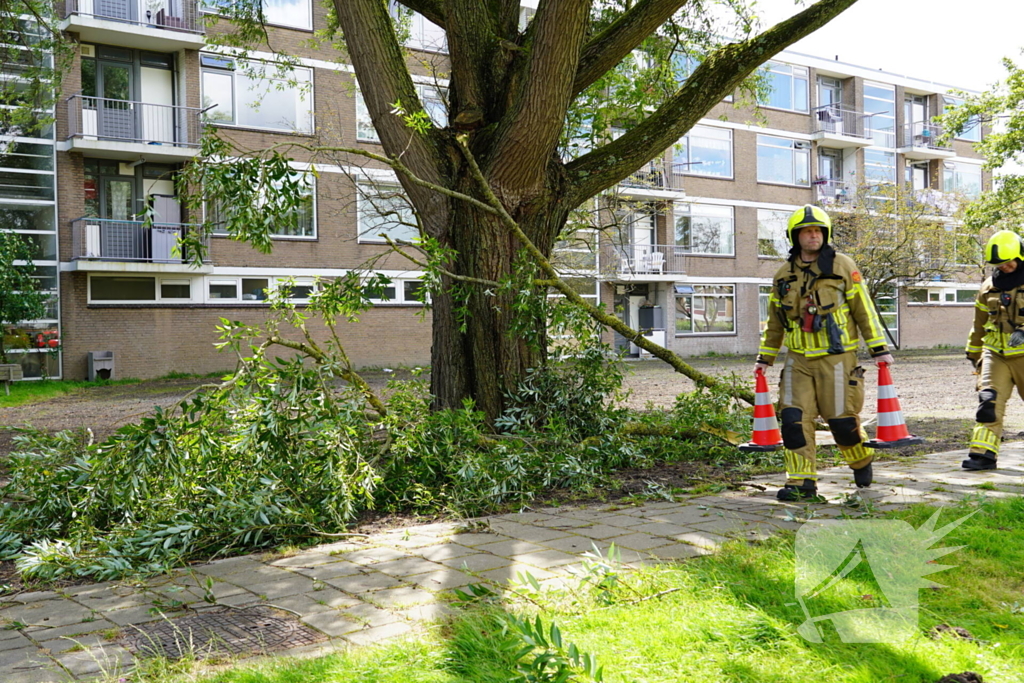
x=820, y=309
x=996, y=346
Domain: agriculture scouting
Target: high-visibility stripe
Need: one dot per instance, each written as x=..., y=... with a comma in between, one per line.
x=787, y=383
x=984, y=438
x=839, y=388
x=762, y=399
x=887, y=391
x=764, y=424
x=890, y=419
x=858, y=452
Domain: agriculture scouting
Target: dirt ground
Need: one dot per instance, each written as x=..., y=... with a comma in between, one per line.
x=936, y=389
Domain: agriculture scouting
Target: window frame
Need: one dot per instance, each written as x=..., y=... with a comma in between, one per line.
x=770, y=69
x=943, y=294
x=304, y=89
x=311, y=184
x=686, y=210
x=805, y=151
x=423, y=91
x=399, y=284
x=215, y=7
x=363, y=200
x=692, y=294
x=688, y=163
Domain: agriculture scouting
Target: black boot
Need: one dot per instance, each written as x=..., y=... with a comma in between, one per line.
x=807, y=491
x=980, y=461
x=863, y=477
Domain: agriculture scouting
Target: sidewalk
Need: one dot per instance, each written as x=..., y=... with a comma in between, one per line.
x=387, y=585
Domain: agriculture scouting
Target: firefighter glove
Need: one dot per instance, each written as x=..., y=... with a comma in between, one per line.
x=1017, y=338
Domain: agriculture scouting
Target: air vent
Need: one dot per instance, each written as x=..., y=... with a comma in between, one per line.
x=88, y=50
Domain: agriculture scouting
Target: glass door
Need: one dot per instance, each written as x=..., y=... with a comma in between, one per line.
x=117, y=113
x=915, y=113
x=830, y=100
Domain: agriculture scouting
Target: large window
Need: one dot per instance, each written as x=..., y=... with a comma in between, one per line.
x=298, y=222
x=419, y=33
x=290, y=13
x=704, y=229
x=972, y=131
x=962, y=179
x=879, y=166
x=384, y=209
x=431, y=97
x=705, y=309
x=772, y=238
x=787, y=87
x=943, y=296
x=705, y=150
x=398, y=291
x=764, y=294
x=783, y=161
x=880, y=113
x=211, y=289
x=257, y=94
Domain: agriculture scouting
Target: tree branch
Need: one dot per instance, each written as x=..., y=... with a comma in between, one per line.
x=569, y=293
x=717, y=76
x=611, y=46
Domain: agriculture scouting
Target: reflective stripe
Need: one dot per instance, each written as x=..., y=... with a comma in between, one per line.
x=858, y=452
x=762, y=424
x=984, y=438
x=787, y=383
x=890, y=419
x=839, y=389
x=887, y=391
x=762, y=399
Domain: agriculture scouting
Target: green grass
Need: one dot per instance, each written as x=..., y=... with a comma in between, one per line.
x=724, y=618
x=23, y=393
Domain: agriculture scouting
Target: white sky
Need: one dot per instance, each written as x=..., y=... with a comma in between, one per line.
x=954, y=42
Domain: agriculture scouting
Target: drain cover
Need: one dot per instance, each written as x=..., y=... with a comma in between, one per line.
x=222, y=631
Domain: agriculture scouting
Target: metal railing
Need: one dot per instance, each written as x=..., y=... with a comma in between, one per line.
x=103, y=239
x=173, y=15
x=921, y=134
x=127, y=121
x=650, y=259
x=838, y=120
x=833, y=192
x=657, y=174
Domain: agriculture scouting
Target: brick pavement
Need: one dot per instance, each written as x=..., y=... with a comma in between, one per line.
x=392, y=583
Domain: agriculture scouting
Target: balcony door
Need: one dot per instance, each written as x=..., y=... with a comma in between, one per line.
x=830, y=100
x=122, y=10
x=128, y=95
x=915, y=115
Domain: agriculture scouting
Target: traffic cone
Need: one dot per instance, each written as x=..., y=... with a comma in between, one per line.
x=892, y=430
x=767, y=436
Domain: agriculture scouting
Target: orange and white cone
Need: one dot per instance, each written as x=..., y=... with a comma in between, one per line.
x=767, y=436
x=892, y=430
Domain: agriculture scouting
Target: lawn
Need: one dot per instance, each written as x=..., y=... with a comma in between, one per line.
x=726, y=617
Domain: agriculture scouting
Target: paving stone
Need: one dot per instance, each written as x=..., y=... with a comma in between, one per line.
x=474, y=539
x=526, y=517
x=8, y=634
x=414, y=541
x=429, y=612
x=408, y=566
x=34, y=596
x=577, y=545
x=545, y=559
x=702, y=539
x=370, y=615
x=47, y=614
x=75, y=630
x=306, y=560
x=477, y=562
x=23, y=658
x=437, y=581
x=599, y=532
x=510, y=548
x=563, y=522
x=369, y=556
x=687, y=516
x=445, y=551
x=240, y=600
x=667, y=529
x=106, y=601
x=228, y=566
x=378, y=634
x=331, y=571
x=641, y=541
x=14, y=641
x=261, y=574
x=136, y=615
x=527, y=532
x=622, y=521
x=49, y=674
x=291, y=585
x=503, y=575
x=678, y=551
x=333, y=623
x=400, y=598
x=362, y=583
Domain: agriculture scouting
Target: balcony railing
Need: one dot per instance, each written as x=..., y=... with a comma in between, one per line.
x=838, y=120
x=126, y=121
x=103, y=239
x=173, y=15
x=656, y=175
x=921, y=134
x=833, y=192
x=650, y=259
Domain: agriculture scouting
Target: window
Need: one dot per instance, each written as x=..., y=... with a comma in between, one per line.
x=706, y=151
x=398, y=292
x=705, y=309
x=962, y=178
x=291, y=13
x=383, y=208
x=577, y=253
x=300, y=221
x=787, y=85
x=223, y=289
x=176, y=289
x=431, y=97
x=783, y=161
x=296, y=289
x=257, y=94
x=422, y=33
x=772, y=237
x=879, y=166
x=944, y=296
x=880, y=113
x=122, y=289
x=764, y=293
x=972, y=131
x=704, y=229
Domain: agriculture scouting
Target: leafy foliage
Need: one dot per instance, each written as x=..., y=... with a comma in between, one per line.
x=20, y=298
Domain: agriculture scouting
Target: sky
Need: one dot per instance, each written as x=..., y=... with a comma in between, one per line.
x=954, y=42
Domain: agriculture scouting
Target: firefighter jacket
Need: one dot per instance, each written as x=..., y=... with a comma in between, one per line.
x=997, y=313
x=818, y=309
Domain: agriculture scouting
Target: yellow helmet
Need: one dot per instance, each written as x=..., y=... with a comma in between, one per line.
x=1002, y=247
x=806, y=216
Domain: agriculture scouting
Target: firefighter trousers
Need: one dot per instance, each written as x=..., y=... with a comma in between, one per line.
x=999, y=376
x=829, y=386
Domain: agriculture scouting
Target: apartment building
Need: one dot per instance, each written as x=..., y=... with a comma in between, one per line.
x=691, y=260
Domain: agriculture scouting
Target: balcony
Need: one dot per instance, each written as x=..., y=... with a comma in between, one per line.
x=157, y=25
x=649, y=262
x=120, y=129
x=920, y=142
x=657, y=179
x=100, y=244
x=833, y=192
x=840, y=127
